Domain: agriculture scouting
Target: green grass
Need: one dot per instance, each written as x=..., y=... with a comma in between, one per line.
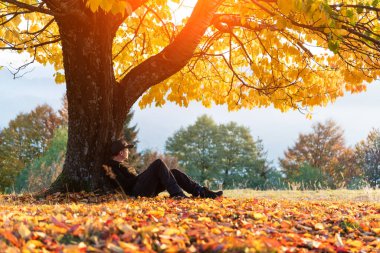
x=363, y=195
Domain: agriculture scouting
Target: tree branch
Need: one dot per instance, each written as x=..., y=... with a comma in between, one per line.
x=36, y=33
x=29, y=7
x=15, y=48
x=224, y=23
x=170, y=60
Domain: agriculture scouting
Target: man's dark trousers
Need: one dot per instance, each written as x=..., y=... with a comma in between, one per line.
x=158, y=178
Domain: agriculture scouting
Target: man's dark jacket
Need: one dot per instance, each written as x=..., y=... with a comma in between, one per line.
x=125, y=176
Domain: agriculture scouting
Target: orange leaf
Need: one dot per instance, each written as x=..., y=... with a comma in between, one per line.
x=11, y=238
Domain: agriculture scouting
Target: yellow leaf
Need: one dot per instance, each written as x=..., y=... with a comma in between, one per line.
x=258, y=216
x=354, y=243
x=128, y=246
x=106, y=5
x=171, y=231
x=376, y=230
x=59, y=78
x=157, y=213
x=24, y=231
x=204, y=219
x=319, y=226
x=93, y=5
x=32, y=244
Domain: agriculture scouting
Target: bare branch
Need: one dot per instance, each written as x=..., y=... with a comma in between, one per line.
x=15, y=14
x=36, y=33
x=29, y=7
x=17, y=70
x=18, y=48
x=225, y=22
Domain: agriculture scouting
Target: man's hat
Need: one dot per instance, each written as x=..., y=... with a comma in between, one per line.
x=119, y=145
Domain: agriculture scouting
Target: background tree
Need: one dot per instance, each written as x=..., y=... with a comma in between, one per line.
x=350, y=167
x=240, y=160
x=309, y=178
x=42, y=171
x=25, y=139
x=368, y=152
x=63, y=112
x=261, y=174
x=323, y=149
x=275, y=180
x=196, y=148
x=130, y=135
x=149, y=156
x=9, y=166
x=223, y=154
x=244, y=54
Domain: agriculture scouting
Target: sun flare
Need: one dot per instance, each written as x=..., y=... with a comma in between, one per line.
x=183, y=9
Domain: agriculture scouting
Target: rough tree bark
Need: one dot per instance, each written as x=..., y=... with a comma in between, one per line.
x=90, y=82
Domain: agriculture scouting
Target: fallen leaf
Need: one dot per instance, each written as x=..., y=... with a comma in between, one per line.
x=11, y=238
x=319, y=226
x=24, y=231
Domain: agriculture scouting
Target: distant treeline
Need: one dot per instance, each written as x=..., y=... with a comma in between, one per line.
x=32, y=152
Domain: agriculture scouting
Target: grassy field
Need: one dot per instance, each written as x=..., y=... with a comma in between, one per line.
x=364, y=195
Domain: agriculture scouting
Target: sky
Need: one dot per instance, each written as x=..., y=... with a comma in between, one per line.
x=357, y=114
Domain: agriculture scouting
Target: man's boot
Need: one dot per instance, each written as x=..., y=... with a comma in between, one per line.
x=207, y=193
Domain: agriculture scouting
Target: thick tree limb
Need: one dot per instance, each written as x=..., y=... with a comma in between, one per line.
x=61, y=9
x=169, y=61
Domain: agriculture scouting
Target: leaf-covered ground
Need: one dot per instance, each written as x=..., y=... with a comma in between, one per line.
x=90, y=223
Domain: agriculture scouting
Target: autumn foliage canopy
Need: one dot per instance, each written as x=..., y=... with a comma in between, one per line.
x=289, y=53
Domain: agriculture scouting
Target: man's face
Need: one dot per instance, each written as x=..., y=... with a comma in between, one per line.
x=124, y=153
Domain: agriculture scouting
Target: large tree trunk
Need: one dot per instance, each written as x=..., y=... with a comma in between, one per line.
x=87, y=53
x=97, y=105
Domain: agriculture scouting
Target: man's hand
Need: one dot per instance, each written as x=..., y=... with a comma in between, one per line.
x=109, y=171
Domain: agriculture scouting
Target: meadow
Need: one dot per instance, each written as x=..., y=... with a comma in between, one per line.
x=241, y=221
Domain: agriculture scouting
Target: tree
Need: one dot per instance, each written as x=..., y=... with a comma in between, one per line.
x=225, y=154
x=9, y=167
x=196, y=148
x=245, y=54
x=149, y=156
x=25, y=139
x=63, y=111
x=323, y=149
x=240, y=160
x=309, y=178
x=42, y=171
x=130, y=135
x=368, y=152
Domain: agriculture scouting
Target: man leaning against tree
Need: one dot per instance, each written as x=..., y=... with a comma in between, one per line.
x=155, y=179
